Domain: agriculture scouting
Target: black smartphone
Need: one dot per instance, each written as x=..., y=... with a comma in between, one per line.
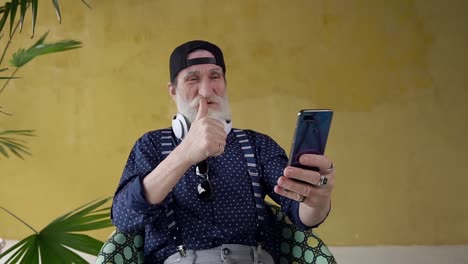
x=310, y=135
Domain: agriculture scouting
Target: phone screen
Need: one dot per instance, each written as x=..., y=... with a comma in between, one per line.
x=310, y=135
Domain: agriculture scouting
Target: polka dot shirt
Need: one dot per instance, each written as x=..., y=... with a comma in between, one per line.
x=228, y=218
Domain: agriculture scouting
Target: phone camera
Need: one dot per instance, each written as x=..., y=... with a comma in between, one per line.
x=309, y=118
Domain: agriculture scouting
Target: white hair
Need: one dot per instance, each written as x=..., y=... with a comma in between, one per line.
x=190, y=110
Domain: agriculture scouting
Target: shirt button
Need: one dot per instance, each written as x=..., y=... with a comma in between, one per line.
x=226, y=251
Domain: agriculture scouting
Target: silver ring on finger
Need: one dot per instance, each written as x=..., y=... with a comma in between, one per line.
x=323, y=180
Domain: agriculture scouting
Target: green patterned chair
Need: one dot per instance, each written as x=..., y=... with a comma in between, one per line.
x=296, y=246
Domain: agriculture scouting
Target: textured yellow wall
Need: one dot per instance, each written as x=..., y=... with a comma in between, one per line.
x=395, y=72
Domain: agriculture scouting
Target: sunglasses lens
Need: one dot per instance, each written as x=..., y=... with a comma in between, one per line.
x=204, y=190
x=202, y=168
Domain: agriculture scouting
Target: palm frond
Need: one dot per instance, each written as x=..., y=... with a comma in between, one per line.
x=86, y=4
x=6, y=12
x=23, y=7
x=34, y=16
x=3, y=112
x=6, y=77
x=10, y=9
x=57, y=238
x=23, y=56
x=24, y=132
x=13, y=8
x=10, y=142
x=57, y=10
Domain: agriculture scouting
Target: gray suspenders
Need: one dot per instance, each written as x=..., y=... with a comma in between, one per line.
x=249, y=155
x=168, y=144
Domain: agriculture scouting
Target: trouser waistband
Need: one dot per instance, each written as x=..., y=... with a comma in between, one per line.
x=226, y=253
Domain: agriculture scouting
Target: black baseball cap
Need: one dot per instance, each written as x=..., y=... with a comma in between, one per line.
x=178, y=60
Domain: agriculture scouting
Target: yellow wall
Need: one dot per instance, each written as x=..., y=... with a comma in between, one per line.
x=395, y=72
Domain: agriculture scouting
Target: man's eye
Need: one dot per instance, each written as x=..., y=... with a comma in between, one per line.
x=192, y=79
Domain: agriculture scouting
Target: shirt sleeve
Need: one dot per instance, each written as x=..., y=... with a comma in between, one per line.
x=130, y=209
x=273, y=160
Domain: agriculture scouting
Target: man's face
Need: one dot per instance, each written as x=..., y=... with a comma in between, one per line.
x=201, y=81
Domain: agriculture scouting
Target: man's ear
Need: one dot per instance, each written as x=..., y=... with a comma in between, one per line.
x=172, y=89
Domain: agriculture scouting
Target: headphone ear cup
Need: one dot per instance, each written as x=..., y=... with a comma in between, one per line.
x=179, y=126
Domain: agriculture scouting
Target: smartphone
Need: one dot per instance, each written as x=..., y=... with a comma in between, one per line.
x=310, y=135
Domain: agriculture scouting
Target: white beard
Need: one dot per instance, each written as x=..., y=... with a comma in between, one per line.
x=190, y=110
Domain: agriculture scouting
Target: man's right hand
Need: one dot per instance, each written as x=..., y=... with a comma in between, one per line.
x=205, y=138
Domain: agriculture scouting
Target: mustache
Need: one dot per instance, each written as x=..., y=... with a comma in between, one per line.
x=212, y=99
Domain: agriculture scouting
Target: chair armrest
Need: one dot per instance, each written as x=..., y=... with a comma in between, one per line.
x=299, y=246
x=122, y=248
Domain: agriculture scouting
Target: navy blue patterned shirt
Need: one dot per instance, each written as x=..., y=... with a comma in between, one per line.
x=229, y=218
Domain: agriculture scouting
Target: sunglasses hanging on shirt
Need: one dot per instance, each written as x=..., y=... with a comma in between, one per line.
x=204, y=189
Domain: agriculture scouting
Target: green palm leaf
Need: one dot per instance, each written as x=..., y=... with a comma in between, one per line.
x=19, y=249
x=23, y=6
x=6, y=11
x=57, y=10
x=27, y=132
x=9, y=9
x=86, y=4
x=14, y=7
x=56, y=239
x=34, y=16
x=9, y=142
x=23, y=56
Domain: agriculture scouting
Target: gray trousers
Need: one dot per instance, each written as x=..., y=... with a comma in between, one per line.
x=226, y=253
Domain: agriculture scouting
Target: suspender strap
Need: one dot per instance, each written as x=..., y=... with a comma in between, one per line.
x=167, y=145
x=255, y=177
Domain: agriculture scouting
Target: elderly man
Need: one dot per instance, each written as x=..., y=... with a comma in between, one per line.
x=196, y=189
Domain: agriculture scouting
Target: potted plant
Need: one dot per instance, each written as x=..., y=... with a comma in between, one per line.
x=11, y=139
x=53, y=243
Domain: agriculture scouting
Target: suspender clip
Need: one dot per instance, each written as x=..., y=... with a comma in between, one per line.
x=259, y=248
x=182, y=251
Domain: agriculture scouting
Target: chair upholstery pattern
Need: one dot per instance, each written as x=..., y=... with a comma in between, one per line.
x=122, y=248
x=297, y=246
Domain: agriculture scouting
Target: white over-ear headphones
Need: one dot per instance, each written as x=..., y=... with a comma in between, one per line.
x=181, y=126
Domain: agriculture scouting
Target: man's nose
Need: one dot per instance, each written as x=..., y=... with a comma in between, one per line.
x=206, y=89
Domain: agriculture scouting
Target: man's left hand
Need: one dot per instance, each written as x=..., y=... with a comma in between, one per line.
x=309, y=187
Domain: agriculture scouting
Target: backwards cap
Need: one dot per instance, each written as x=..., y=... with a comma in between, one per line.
x=178, y=60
